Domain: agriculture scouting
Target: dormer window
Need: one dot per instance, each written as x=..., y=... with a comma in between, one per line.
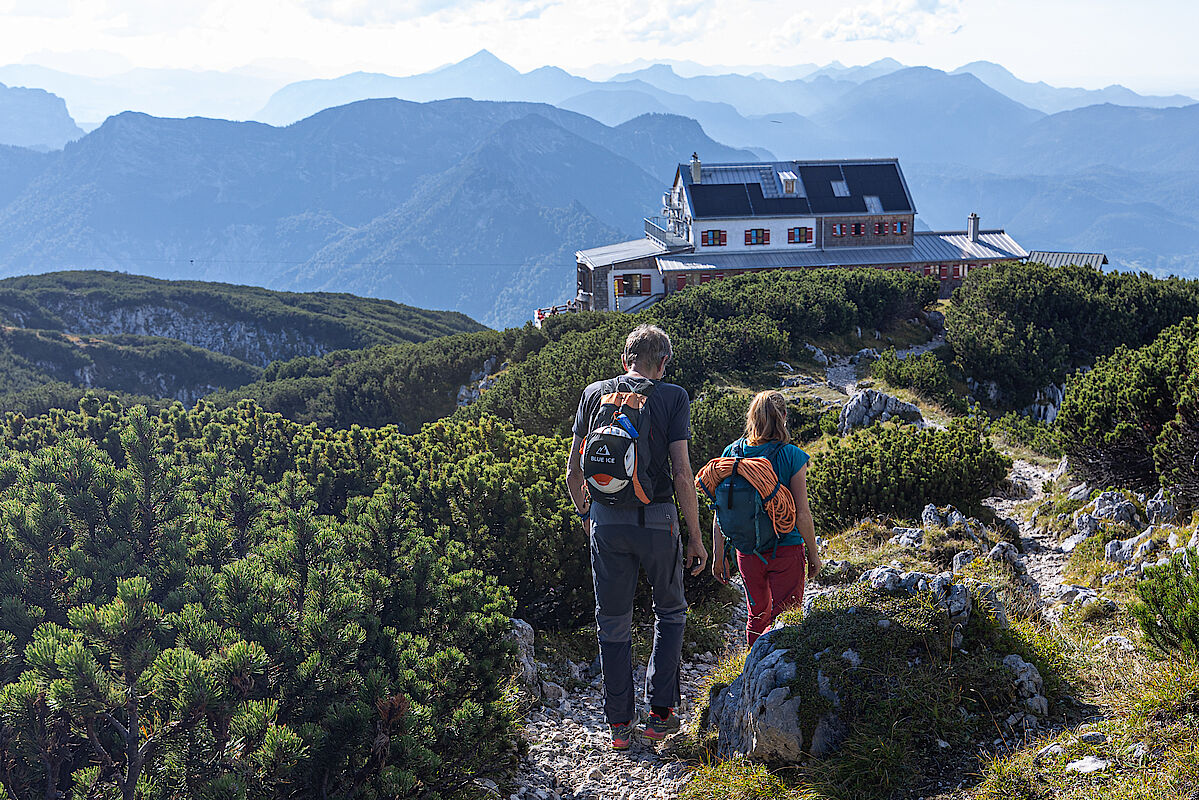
x=790, y=182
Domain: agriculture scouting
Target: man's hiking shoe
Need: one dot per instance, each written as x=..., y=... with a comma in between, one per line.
x=622, y=735
x=658, y=728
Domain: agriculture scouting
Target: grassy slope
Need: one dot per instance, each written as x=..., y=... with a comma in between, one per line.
x=341, y=320
x=48, y=356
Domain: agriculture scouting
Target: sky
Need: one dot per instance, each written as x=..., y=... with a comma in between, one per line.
x=1091, y=43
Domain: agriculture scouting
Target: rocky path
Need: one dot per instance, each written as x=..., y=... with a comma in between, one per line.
x=1043, y=555
x=842, y=371
x=570, y=753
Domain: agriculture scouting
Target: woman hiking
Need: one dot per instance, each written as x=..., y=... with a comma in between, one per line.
x=773, y=577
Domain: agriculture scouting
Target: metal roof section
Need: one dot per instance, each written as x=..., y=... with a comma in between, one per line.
x=611, y=254
x=1051, y=258
x=957, y=246
x=823, y=187
x=928, y=247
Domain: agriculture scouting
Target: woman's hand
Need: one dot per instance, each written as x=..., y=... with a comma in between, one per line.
x=720, y=567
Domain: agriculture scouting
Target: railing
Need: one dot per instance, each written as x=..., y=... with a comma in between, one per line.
x=654, y=229
x=569, y=307
x=642, y=303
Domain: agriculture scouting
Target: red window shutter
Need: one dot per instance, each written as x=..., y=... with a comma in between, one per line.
x=766, y=236
x=680, y=282
x=810, y=231
x=724, y=237
x=749, y=237
x=647, y=285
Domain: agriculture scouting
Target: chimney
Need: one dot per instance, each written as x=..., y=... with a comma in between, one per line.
x=972, y=227
x=695, y=168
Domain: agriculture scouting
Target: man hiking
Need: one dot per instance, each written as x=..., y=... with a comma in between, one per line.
x=627, y=463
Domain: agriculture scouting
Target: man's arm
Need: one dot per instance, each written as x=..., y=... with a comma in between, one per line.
x=684, y=491
x=574, y=479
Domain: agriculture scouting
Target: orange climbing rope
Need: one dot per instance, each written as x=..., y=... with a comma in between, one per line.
x=760, y=473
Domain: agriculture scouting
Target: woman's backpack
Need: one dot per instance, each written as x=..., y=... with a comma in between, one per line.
x=615, y=453
x=745, y=494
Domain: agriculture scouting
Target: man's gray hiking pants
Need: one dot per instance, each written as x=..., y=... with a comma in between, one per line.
x=623, y=541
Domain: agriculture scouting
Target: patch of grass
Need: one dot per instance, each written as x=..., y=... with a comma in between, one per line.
x=740, y=779
x=1087, y=562
x=1152, y=744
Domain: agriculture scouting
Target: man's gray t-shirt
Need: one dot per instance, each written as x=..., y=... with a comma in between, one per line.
x=669, y=412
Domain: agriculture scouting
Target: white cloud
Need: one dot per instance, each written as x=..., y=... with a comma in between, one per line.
x=389, y=12
x=891, y=21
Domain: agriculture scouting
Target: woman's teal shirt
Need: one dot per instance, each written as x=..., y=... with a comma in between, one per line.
x=787, y=461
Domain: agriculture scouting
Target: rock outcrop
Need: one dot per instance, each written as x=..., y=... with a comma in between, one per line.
x=792, y=699
x=1047, y=404
x=869, y=406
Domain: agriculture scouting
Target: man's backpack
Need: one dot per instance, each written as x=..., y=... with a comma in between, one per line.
x=615, y=454
x=740, y=499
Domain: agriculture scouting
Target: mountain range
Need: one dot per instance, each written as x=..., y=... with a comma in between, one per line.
x=34, y=118
x=474, y=206
x=478, y=203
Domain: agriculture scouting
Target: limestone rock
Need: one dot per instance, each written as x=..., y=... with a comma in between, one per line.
x=1030, y=688
x=1123, y=551
x=1160, y=510
x=1005, y=552
x=868, y=406
x=1114, y=507
x=756, y=715
x=527, y=673
x=1087, y=765
x=1071, y=542
x=783, y=365
x=961, y=560
x=907, y=537
x=1079, y=492
x=818, y=355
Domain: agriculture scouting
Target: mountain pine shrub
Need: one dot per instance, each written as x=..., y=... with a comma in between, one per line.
x=1133, y=421
x=1025, y=326
x=175, y=625
x=926, y=375
x=898, y=469
x=1168, y=610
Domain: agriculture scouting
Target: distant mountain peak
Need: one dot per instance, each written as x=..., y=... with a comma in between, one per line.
x=482, y=61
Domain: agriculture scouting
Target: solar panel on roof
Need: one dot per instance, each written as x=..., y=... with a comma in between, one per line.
x=775, y=205
x=720, y=200
x=818, y=180
x=838, y=205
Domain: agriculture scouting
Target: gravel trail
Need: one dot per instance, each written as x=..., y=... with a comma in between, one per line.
x=1043, y=554
x=570, y=754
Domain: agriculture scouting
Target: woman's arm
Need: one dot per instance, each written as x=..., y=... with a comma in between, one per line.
x=803, y=519
x=720, y=567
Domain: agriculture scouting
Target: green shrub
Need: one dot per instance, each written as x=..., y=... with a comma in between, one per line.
x=1134, y=420
x=740, y=324
x=898, y=469
x=204, y=632
x=1168, y=610
x=1025, y=326
x=925, y=374
x=1024, y=431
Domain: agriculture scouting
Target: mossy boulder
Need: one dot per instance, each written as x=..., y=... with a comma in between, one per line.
x=872, y=668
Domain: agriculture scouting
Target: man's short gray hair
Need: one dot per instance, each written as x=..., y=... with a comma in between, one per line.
x=647, y=345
